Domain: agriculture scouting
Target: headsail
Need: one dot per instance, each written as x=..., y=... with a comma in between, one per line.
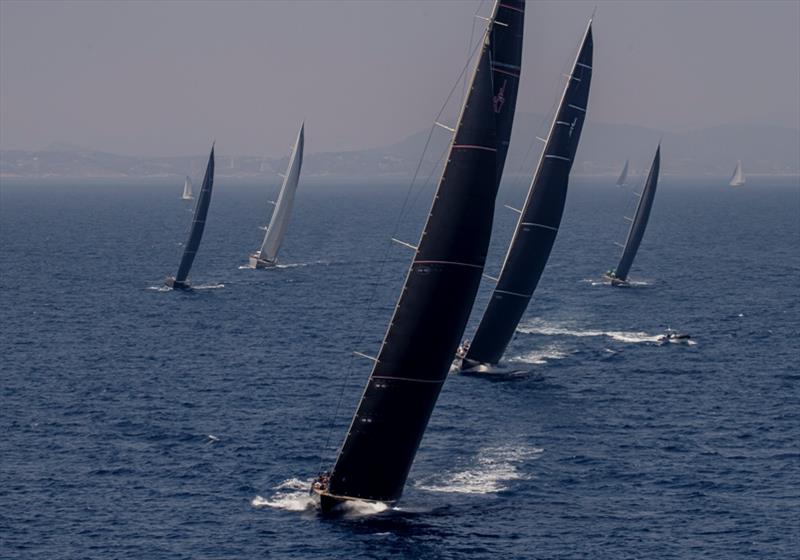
x=639, y=223
x=439, y=291
x=539, y=220
x=187, y=189
x=196, y=231
x=623, y=177
x=268, y=254
x=737, y=179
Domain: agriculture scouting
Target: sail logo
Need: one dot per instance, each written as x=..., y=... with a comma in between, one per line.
x=572, y=126
x=500, y=99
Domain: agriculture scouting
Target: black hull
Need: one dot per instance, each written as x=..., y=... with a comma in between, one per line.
x=175, y=285
x=616, y=282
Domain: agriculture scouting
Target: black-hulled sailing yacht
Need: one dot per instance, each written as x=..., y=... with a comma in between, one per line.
x=619, y=275
x=538, y=222
x=441, y=284
x=179, y=281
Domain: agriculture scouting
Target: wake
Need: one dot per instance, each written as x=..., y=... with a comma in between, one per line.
x=493, y=469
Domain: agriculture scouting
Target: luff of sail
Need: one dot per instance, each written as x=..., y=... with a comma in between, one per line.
x=623, y=177
x=737, y=179
x=179, y=282
x=430, y=316
x=267, y=255
x=619, y=275
x=187, y=189
x=539, y=220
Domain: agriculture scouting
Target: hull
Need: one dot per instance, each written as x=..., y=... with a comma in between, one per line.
x=616, y=281
x=175, y=285
x=256, y=262
x=329, y=502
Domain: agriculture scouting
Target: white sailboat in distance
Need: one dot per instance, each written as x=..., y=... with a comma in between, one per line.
x=737, y=179
x=187, y=189
x=267, y=255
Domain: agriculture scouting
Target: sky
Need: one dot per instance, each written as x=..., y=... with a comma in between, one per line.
x=166, y=78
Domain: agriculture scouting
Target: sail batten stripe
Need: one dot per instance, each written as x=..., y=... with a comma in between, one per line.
x=514, y=8
x=473, y=147
x=506, y=65
x=582, y=65
x=557, y=157
x=581, y=109
x=539, y=225
x=394, y=378
x=517, y=294
x=506, y=72
x=450, y=262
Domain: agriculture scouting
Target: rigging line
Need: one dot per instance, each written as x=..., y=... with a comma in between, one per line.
x=370, y=300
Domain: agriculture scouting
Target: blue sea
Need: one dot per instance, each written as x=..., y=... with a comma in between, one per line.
x=142, y=423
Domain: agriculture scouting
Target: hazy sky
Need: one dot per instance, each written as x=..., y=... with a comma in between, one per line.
x=150, y=78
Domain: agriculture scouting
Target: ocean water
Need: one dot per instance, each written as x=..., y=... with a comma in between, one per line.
x=143, y=423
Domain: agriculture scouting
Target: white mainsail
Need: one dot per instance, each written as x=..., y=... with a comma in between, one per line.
x=737, y=179
x=187, y=189
x=283, y=208
x=624, y=175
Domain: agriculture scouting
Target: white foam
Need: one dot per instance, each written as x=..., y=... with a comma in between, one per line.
x=290, y=495
x=495, y=466
x=208, y=287
x=555, y=330
x=539, y=357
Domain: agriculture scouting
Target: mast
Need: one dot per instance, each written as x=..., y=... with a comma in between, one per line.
x=187, y=189
x=179, y=282
x=268, y=253
x=639, y=222
x=539, y=218
x=624, y=175
x=737, y=179
x=439, y=290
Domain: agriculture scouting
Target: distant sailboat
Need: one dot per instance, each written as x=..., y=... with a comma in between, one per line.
x=267, y=255
x=441, y=284
x=538, y=221
x=187, y=189
x=179, y=281
x=623, y=177
x=619, y=275
x=737, y=179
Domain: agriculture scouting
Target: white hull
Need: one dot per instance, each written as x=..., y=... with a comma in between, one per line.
x=257, y=262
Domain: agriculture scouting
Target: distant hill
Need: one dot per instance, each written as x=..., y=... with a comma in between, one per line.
x=763, y=149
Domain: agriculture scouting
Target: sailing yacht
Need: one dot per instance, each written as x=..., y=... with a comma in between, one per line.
x=538, y=222
x=187, y=189
x=179, y=281
x=267, y=255
x=619, y=276
x=737, y=179
x=441, y=284
x=623, y=177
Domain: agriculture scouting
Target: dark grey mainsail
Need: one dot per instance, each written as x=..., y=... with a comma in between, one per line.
x=539, y=219
x=619, y=275
x=623, y=177
x=439, y=291
x=178, y=282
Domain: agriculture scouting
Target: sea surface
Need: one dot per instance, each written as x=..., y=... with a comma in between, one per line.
x=142, y=423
